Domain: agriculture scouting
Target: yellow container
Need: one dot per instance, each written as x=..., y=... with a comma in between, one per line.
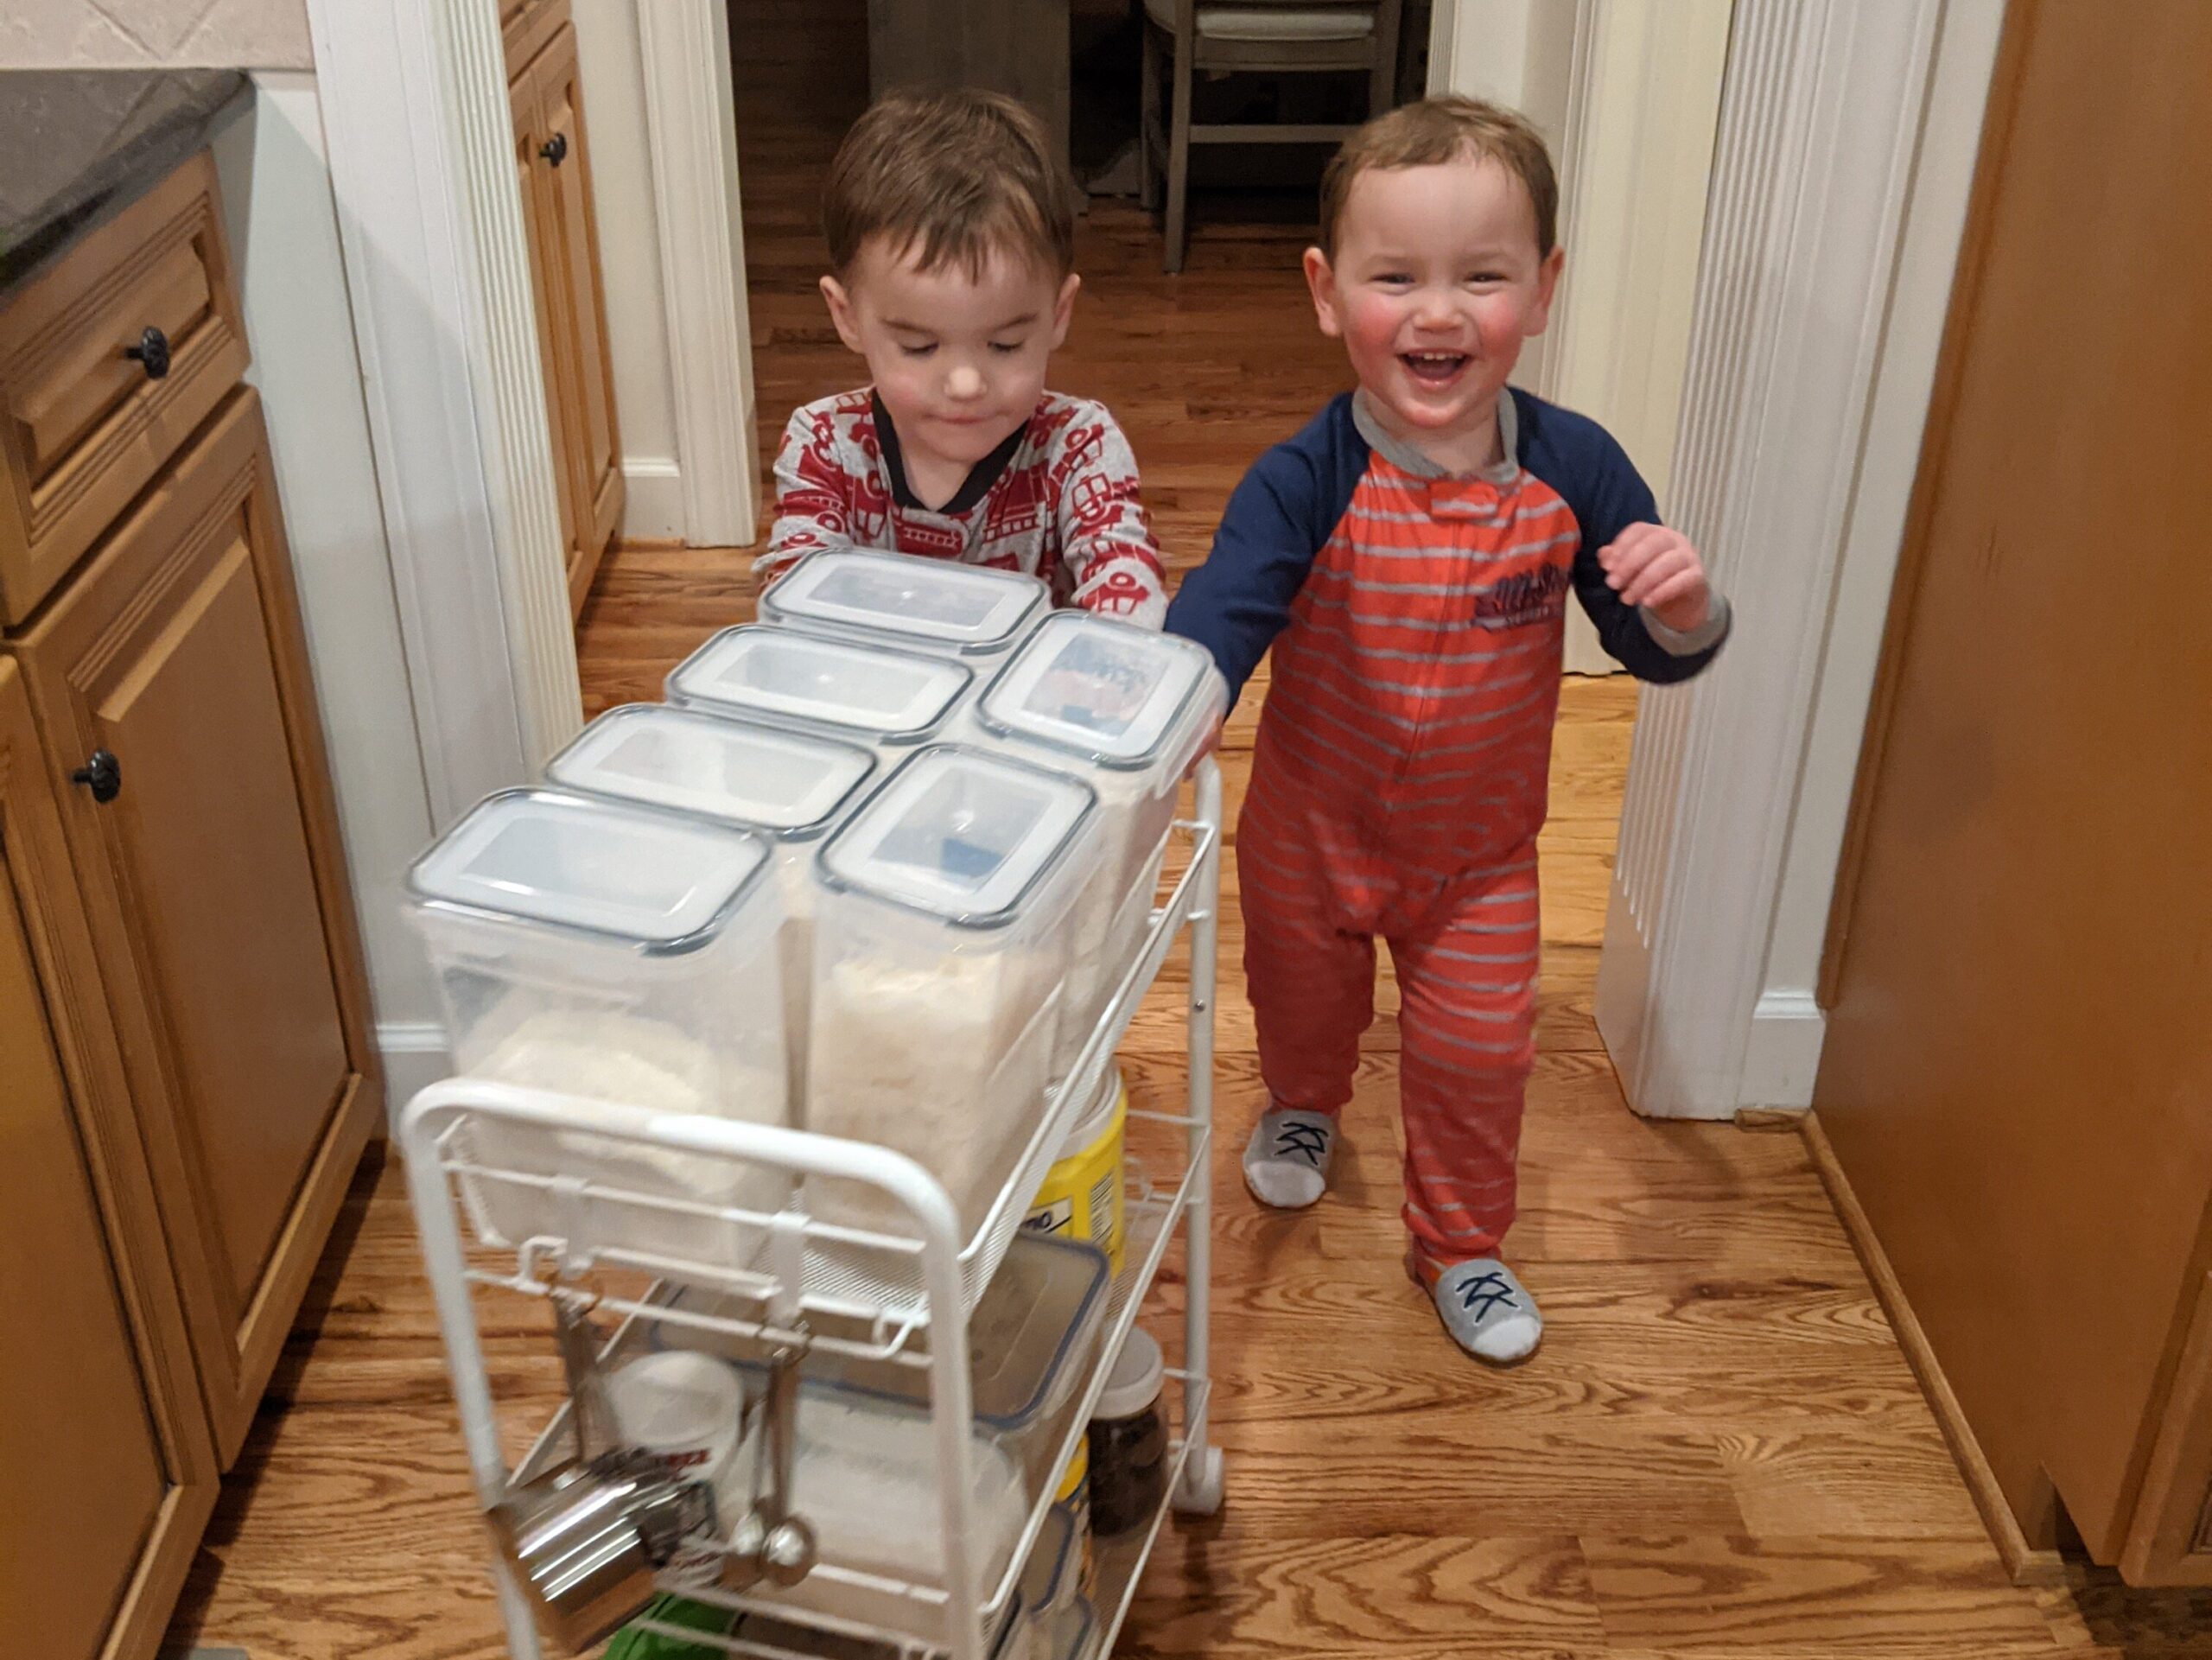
x=1081, y=1197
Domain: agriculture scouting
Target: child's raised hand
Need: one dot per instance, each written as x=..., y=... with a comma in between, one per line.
x=1656, y=568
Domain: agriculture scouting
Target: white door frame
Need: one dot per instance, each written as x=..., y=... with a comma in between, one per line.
x=420, y=145
x=416, y=119
x=1840, y=187
x=691, y=133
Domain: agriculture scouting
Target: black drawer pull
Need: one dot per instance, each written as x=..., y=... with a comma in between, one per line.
x=153, y=351
x=555, y=148
x=102, y=775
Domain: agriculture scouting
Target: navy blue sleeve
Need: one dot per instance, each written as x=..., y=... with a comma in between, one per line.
x=1280, y=517
x=1592, y=474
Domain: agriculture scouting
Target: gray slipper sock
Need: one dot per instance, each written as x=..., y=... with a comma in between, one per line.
x=1488, y=1311
x=1287, y=1160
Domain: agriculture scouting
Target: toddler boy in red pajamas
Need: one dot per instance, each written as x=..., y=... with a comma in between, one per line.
x=1408, y=557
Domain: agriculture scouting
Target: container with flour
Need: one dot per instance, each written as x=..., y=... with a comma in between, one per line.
x=1126, y=708
x=788, y=786
x=939, y=606
x=597, y=948
x=889, y=701
x=940, y=947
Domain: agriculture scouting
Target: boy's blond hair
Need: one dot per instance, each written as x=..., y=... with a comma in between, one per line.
x=1438, y=130
x=957, y=177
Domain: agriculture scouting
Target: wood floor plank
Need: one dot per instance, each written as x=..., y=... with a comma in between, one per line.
x=1912, y=1597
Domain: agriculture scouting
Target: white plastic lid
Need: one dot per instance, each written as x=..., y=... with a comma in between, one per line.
x=1107, y=690
x=940, y=603
x=778, y=676
x=656, y=880
x=784, y=782
x=1134, y=1382
x=960, y=834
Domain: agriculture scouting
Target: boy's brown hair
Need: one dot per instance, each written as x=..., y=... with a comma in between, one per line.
x=954, y=177
x=1438, y=130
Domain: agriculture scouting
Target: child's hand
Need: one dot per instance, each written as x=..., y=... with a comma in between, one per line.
x=1207, y=745
x=1653, y=567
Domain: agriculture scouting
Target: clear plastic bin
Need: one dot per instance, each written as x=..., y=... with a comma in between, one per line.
x=599, y=949
x=940, y=950
x=891, y=702
x=1031, y=1342
x=1126, y=708
x=864, y=1478
x=922, y=604
x=788, y=787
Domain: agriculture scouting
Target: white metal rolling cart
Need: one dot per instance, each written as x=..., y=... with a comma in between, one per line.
x=864, y=1296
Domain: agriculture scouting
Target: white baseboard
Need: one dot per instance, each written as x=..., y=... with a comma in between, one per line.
x=1782, y=1057
x=415, y=1056
x=652, y=498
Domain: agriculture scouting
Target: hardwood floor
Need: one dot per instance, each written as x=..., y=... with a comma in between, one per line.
x=1718, y=1451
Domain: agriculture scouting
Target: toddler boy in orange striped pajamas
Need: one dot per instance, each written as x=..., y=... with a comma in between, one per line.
x=1408, y=557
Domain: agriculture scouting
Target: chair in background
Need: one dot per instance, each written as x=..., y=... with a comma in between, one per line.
x=1253, y=37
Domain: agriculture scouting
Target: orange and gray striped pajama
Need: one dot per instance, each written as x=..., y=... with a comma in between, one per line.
x=1417, y=621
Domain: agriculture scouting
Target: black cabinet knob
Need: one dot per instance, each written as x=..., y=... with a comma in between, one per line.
x=153, y=351
x=555, y=148
x=102, y=775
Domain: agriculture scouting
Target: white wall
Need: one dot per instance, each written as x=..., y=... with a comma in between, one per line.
x=284, y=248
x=629, y=247
x=1788, y=1028
x=1627, y=93
x=141, y=34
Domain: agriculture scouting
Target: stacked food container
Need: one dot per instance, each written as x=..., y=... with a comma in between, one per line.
x=877, y=870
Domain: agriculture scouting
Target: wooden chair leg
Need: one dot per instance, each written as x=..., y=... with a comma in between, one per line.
x=1148, y=158
x=1179, y=164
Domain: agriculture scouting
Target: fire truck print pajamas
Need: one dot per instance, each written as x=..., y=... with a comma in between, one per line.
x=1057, y=499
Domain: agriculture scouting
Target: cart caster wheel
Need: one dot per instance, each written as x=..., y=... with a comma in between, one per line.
x=1199, y=1493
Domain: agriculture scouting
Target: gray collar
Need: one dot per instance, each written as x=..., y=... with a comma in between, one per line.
x=1406, y=458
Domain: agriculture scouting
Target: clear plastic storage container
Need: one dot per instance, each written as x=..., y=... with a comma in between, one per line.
x=599, y=949
x=1126, y=708
x=890, y=700
x=788, y=787
x=924, y=605
x=1030, y=1344
x=864, y=1478
x=940, y=947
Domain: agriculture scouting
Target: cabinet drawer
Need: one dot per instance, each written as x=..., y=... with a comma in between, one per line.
x=84, y=427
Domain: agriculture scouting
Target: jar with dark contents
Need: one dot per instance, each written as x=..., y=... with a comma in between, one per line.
x=1129, y=1441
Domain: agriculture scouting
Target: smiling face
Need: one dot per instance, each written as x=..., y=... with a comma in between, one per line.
x=1435, y=285
x=957, y=357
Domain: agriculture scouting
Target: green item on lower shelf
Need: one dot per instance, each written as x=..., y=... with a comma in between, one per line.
x=632, y=1641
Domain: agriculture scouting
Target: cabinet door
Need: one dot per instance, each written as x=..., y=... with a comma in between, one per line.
x=215, y=889
x=109, y=1482
x=534, y=180
x=571, y=241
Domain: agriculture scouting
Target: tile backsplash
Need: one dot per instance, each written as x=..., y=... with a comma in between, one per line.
x=155, y=34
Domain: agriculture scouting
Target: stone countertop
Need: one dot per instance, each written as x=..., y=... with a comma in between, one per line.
x=76, y=146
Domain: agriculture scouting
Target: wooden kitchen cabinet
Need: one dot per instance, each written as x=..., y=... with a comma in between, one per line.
x=215, y=892
x=104, y=1453
x=553, y=170
x=2013, y=1080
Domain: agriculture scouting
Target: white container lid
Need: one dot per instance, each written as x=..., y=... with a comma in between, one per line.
x=937, y=603
x=786, y=784
x=1109, y=691
x=774, y=675
x=657, y=880
x=959, y=834
x=1132, y=1382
